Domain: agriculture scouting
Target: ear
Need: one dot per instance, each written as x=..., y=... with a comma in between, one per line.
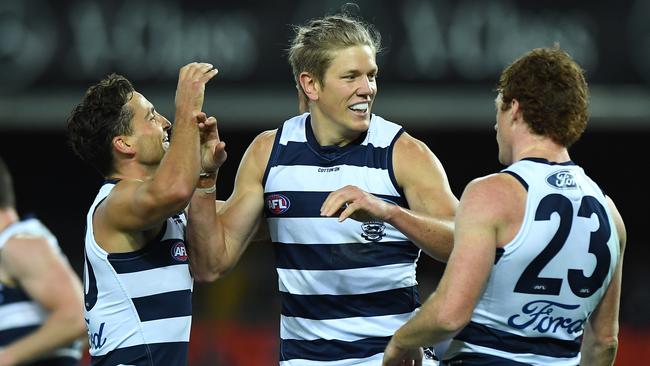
x=122, y=145
x=309, y=85
x=515, y=111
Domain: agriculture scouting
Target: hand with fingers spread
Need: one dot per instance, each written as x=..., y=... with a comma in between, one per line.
x=357, y=204
x=191, y=87
x=395, y=355
x=213, y=150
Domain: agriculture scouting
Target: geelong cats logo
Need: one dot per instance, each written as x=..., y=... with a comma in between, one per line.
x=373, y=230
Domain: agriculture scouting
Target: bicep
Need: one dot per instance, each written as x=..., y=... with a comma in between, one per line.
x=423, y=179
x=241, y=214
x=474, y=248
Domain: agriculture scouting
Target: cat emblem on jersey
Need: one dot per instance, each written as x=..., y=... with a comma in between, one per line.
x=562, y=179
x=373, y=230
x=179, y=252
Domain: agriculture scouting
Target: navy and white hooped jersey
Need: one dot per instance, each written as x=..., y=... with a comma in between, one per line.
x=138, y=305
x=20, y=315
x=345, y=287
x=549, y=279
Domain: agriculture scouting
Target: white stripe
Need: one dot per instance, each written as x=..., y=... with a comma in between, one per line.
x=382, y=132
x=344, y=329
x=155, y=281
x=20, y=314
x=374, y=360
x=347, y=281
x=456, y=347
x=319, y=230
x=297, y=177
x=293, y=130
x=167, y=330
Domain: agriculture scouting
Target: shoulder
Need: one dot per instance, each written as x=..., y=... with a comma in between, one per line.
x=407, y=144
x=263, y=143
x=494, y=195
x=23, y=251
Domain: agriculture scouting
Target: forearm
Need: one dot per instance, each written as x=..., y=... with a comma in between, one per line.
x=425, y=328
x=206, y=245
x=181, y=165
x=434, y=236
x=60, y=329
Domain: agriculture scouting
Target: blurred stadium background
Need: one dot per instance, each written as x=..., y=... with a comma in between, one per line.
x=437, y=75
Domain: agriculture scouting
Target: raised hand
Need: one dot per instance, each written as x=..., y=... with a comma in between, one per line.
x=191, y=87
x=213, y=150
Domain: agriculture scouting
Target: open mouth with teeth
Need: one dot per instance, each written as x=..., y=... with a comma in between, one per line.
x=166, y=141
x=360, y=107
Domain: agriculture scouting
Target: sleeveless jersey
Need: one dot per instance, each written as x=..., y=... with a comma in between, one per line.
x=549, y=278
x=138, y=305
x=19, y=315
x=345, y=287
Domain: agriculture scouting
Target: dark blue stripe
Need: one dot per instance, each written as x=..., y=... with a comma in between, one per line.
x=307, y=204
x=331, y=350
x=517, y=177
x=166, y=305
x=300, y=153
x=484, y=336
x=475, y=359
x=9, y=335
x=154, y=255
x=10, y=295
x=498, y=255
x=544, y=161
x=343, y=256
x=168, y=354
x=320, y=307
x=391, y=170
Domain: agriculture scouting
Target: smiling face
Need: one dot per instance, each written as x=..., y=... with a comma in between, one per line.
x=341, y=111
x=149, y=138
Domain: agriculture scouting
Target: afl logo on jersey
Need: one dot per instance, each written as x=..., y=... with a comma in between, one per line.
x=179, y=252
x=277, y=204
x=562, y=179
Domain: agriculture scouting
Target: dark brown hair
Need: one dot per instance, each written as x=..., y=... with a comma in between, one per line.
x=552, y=93
x=101, y=115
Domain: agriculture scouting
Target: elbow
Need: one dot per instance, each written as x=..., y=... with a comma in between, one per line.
x=453, y=323
x=211, y=274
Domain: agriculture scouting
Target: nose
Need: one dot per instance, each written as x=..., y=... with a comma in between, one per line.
x=166, y=125
x=367, y=86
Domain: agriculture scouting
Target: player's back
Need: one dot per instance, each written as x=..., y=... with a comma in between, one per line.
x=19, y=314
x=548, y=280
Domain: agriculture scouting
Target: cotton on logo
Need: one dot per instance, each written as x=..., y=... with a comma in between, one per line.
x=277, y=204
x=179, y=252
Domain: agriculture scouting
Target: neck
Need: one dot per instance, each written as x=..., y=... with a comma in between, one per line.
x=8, y=216
x=541, y=147
x=328, y=134
x=133, y=171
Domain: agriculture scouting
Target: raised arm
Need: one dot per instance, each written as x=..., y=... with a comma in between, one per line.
x=138, y=205
x=217, y=237
x=600, y=341
x=429, y=222
x=48, y=279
